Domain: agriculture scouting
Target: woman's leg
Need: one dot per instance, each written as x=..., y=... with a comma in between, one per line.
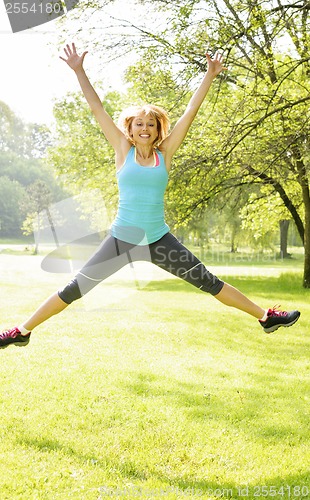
x=229, y=296
x=20, y=335
x=111, y=256
x=53, y=305
x=232, y=297
x=169, y=254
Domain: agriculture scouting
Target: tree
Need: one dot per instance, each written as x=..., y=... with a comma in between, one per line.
x=38, y=199
x=262, y=126
x=260, y=134
x=26, y=140
x=10, y=216
x=22, y=152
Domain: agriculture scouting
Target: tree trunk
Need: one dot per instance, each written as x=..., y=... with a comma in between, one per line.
x=233, y=244
x=306, y=278
x=304, y=182
x=284, y=225
x=36, y=249
x=51, y=223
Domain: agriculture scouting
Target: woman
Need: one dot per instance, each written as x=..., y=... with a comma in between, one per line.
x=143, y=153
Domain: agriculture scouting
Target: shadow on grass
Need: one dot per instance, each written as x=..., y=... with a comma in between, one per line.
x=289, y=486
x=45, y=445
x=284, y=486
x=226, y=409
x=228, y=405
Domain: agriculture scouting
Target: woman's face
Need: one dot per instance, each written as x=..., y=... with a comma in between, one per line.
x=144, y=129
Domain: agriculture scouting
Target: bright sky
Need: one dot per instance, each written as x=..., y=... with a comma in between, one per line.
x=32, y=75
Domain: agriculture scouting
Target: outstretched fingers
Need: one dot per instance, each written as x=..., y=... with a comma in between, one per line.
x=219, y=56
x=72, y=58
x=216, y=63
x=68, y=51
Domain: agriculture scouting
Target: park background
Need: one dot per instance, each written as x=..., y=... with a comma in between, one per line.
x=168, y=389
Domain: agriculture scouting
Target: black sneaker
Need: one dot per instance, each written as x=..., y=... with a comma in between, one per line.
x=13, y=337
x=276, y=318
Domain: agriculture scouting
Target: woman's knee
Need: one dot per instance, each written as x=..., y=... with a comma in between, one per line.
x=70, y=292
x=203, y=279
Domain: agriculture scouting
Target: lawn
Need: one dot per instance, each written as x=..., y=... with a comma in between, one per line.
x=157, y=392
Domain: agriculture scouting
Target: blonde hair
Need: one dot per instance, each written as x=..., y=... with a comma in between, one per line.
x=160, y=115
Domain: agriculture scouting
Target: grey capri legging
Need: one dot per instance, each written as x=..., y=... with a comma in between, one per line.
x=167, y=253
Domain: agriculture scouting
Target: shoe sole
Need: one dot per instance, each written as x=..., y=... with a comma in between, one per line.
x=17, y=344
x=275, y=327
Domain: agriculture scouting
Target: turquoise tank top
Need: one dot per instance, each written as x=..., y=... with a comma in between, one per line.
x=140, y=217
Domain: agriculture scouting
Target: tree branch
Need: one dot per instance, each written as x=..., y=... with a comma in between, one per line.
x=286, y=200
x=261, y=120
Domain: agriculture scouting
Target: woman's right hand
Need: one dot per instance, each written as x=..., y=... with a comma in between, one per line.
x=73, y=59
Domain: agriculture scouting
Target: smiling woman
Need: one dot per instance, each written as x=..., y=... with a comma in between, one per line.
x=143, y=153
x=135, y=117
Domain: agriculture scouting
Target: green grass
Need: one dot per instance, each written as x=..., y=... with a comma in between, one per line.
x=154, y=393
x=219, y=255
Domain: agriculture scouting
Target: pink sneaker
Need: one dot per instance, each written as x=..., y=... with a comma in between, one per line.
x=13, y=337
x=276, y=318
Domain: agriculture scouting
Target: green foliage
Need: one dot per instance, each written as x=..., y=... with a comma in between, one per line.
x=81, y=155
x=37, y=198
x=11, y=131
x=23, y=147
x=26, y=140
x=147, y=84
x=25, y=170
x=10, y=216
x=262, y=214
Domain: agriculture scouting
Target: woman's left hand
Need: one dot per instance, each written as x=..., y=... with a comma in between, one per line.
x=215, y=65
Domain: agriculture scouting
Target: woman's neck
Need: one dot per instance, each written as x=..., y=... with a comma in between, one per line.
x=144, y=151
x=145, y=158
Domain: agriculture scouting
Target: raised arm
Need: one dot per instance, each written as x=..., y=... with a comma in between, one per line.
x=113, y=134
x=178, y=133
